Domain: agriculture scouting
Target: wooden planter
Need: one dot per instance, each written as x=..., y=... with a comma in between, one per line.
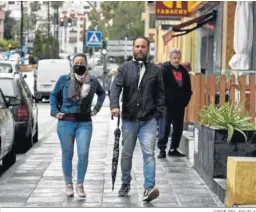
x=212, y=149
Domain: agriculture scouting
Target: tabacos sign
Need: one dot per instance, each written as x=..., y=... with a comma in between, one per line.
x=169, y=9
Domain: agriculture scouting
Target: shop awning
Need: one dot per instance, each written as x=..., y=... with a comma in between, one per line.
x=182, y=28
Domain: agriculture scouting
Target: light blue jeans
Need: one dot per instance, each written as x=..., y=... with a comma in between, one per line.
x=68, y=132
x=146, y=132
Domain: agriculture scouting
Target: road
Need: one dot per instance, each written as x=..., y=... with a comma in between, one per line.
x=36, y=180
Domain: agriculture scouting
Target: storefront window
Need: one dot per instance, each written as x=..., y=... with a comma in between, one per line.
x=211, y=44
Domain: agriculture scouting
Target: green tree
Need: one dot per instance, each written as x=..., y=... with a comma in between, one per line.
x=100, y=19
x=127, y=21
x=8, y=26
x=125, y=18
x=37, y=46
x=4, y=44
x=45, y=47
x=35, y=6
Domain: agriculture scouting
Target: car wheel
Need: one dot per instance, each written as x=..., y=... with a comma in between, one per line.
x=27, y=143
x=35, y=138
x=10, y=158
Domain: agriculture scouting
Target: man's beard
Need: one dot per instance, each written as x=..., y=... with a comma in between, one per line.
x=138, y=58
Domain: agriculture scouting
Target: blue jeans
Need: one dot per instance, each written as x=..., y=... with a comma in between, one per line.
x=68, y=131
x=146, y=132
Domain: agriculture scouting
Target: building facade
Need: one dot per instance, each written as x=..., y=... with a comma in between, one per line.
x=208, y=47
x=2, y=17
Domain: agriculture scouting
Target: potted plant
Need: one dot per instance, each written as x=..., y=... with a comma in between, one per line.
x=223, y=131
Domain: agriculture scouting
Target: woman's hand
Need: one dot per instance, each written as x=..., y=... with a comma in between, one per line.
x=59, y=115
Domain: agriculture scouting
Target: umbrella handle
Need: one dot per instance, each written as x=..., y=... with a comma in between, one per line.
x=118, y=121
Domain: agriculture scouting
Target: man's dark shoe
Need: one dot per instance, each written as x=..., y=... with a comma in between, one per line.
x=150, y=194
x=124, y=190
x=175, y=153
x=162, y=154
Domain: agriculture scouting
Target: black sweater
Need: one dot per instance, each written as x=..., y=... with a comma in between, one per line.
x=174, y=94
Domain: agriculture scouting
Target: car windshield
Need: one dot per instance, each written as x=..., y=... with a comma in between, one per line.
x=5, y=68
x=7, y=87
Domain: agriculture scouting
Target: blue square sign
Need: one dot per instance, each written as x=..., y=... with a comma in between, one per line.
x=94, y=39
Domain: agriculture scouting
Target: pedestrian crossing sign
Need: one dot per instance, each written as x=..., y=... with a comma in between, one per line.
x=93, y=39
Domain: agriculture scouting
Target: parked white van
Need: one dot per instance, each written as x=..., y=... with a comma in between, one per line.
x=47, y=74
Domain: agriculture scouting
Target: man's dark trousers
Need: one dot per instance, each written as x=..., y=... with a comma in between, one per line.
x=173, y=115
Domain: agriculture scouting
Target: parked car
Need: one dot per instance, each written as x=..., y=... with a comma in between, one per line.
x=8, y=67
x=46, y=75
x=25, y=114
x=7, y=131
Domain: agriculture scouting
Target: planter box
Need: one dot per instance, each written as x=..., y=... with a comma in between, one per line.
x=187, y=145
x=212, y=149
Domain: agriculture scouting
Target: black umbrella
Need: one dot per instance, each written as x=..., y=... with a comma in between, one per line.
x=115, y=158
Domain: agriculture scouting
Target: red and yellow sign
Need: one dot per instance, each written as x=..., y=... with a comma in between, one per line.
x=171, y=8
x=165, y=9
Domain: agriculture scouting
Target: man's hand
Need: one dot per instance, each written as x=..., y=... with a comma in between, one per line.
x=94, y=112
x=59, y=115
x=115, y=112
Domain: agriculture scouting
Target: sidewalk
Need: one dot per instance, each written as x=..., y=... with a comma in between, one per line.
x=37, y=180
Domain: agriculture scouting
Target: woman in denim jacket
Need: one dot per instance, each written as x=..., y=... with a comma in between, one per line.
x=74, y=118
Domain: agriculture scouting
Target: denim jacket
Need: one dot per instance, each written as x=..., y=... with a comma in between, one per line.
x=70, y=106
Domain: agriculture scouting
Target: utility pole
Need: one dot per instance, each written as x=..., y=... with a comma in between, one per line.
x=21, y=27
x=84, y=36
x=104, y=54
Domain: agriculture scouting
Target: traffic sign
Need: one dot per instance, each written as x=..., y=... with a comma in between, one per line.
x=120, y=48
x=93, y=39
x=120, y=42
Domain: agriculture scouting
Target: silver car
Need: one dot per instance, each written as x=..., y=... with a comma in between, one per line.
x=7, y=131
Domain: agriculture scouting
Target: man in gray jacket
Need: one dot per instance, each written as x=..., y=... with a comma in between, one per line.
x=143, y=104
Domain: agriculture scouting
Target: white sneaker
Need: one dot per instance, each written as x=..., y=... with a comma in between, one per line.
x=80, y=190
x=69, y=190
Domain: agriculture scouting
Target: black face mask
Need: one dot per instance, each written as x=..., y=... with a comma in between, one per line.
x=79, y=69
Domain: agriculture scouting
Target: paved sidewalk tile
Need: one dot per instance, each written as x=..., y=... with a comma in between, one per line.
x=38, y=181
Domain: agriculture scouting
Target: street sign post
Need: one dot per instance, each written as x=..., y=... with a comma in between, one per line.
x=94, y=39
x=120, y=48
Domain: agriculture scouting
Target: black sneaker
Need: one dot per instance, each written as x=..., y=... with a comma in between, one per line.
x=162, y=154
x=124, y=190
x=175, y=153
x=150, y=194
